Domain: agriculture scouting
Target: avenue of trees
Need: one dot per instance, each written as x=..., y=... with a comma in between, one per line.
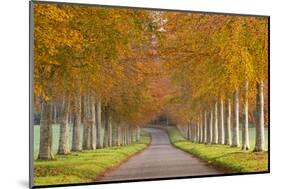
x=220, y=76
x=111, y=71
x=92, y=69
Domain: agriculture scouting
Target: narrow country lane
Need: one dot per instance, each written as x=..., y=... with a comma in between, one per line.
x=160, y=160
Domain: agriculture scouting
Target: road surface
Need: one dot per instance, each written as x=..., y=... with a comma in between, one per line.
x=159, y=160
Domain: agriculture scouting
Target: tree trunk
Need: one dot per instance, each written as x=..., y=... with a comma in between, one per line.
x=235, y=129
x=46, y=135
x=210, y=128
x=76, y=146
x=132, y=134
x=195, y=132
x=260, y=146
x=205, y=131
x=84, y=118
x=120, y=135
x=98, y=124
x=129, y=135
x=114, y=134
x=227, y=139
x=138, y=134
x=201, y=127
x=215, y=126
x=87, y=132
x=125, y=135
x=109, y=131
x=188, y=132
x=63, y=140
x=221, y=123
x=55, y=114
x=245, y=130
x=198, y=130
x=106, y=127
x=93, y=123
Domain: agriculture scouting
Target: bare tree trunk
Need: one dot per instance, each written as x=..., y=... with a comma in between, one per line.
x=93, y=124
x=228, y=124
x=210, y=128
x=114, y=134
x=235, y=129
x=205, y=131
x=63, y=140
x=126, y=135
x=87, y=132
x=55, y=114
x=198, y=130
x=132, y=135
x=194, y=132
x=120, y=136
x=221, y=123
x=76, y=146
x=109, y=131
x=98, y=124
x=138, y=134
x=260, y=146
x=46, y=135
x=245, y=130
x=129, y=135
x=70, y=118
x=106, y=127
x=188, y=131
x=84, y=121
x=215, y=126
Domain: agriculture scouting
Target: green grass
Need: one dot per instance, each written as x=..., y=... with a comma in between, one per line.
x=229, y=158
x=84, y=166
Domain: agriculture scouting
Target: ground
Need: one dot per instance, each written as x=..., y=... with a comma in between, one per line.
x=160, y=160
x=223, y=156
x=86, y=166
x=168, y=155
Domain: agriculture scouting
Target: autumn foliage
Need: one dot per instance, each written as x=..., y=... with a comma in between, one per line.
x=116, y=69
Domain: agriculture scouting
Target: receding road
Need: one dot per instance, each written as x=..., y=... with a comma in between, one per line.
x=160, y=160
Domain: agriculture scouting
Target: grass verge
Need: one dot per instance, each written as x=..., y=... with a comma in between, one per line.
x=223, y=156
x=86, y=166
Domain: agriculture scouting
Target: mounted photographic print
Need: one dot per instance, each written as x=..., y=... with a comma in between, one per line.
x=121, y=94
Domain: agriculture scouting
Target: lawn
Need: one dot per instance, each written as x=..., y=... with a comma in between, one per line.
x=86, y=166
x=229, y=158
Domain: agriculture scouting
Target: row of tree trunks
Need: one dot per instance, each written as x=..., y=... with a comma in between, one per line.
x=218, y=126
x=114, y=134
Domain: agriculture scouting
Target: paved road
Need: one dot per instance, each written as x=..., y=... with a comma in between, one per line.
x=160, y=160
